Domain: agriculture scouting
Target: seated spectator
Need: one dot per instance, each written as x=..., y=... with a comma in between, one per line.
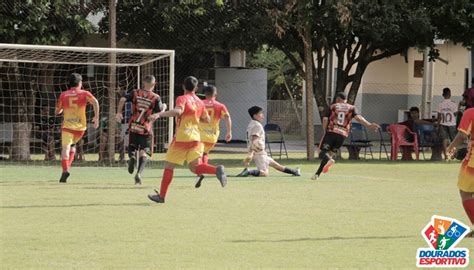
x=413, y=120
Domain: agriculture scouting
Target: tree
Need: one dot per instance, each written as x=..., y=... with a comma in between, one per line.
x=59, y=22
x=284, y=81
x=196, y=30
x=360, y=32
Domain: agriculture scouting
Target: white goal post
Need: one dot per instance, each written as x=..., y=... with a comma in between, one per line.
x=33, y=76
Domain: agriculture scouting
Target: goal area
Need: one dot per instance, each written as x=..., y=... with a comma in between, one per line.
x=32, y=77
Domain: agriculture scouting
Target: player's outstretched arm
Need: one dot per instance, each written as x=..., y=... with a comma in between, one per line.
x=171, y=113
x=458, y=140
x=95, y=105
x=325, y=123
x=59, y=106
x=228, y=126
x=363, y=121
x=121, y=105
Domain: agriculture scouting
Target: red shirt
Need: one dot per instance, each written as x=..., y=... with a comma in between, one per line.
x=144, y=104
x=187, y=124
x=340, y=118
x=216, y=110
x=74, y=102
x=467, y=127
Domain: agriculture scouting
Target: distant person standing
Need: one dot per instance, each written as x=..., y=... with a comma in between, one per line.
x=447, y=111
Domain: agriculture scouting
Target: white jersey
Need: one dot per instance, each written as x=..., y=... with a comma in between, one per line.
x=446, y=110
x=256, y=128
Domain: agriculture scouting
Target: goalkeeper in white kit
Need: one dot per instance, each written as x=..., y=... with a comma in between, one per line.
x=256, y=148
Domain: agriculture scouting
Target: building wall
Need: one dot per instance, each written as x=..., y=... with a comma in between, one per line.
x=240, y=89
x=389, y=85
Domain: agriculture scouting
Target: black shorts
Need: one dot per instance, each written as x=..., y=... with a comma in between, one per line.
x=140, y=142
x=332, y=142
x=447, y=132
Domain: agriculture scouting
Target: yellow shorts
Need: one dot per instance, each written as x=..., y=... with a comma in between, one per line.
x=466, y=178
x=208, y=147
x=178, y=152
x=69, y=136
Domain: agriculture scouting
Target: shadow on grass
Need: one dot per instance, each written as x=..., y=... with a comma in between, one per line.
x=332, y=238
x=74, y=205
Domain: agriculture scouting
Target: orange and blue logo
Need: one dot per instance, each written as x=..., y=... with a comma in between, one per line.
x=442, y=235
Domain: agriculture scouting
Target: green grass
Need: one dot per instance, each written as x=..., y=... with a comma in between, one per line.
x=361, y=215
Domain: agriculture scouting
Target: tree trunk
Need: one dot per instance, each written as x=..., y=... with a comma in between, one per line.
x=351, y=97
x=21, y=141
x=22, y=114
x=308, y=60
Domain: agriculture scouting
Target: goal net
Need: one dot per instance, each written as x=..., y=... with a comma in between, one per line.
x=32, y=78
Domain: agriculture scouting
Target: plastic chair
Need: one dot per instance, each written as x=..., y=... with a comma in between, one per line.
x=360, y=139
x=385, y=139
x=274, y=135
x=427, y=137
x=398, y=133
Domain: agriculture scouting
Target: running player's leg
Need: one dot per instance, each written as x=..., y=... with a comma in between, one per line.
x=204, y=159
x=324, y=154
x=193, y=157
x=281, y=168
x=145, y=152
x=330, y=145
x=468, y=204
x=175, y=155
x=133, y=147
x=66, y=142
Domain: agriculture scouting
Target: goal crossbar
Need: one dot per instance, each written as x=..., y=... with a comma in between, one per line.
x=76, y=55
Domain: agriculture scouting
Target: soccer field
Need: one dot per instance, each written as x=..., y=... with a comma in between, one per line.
x=361, y=215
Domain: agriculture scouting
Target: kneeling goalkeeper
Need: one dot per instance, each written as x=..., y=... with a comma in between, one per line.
x=256, y=148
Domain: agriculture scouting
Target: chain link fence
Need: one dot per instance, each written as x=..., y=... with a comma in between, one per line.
x=198, y=52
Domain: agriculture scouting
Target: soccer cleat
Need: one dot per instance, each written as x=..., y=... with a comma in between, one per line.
x=156, y=197
x=328, y=165
x=138, y=179
x=64, y=177
x=315, y=177
x=131, y=165
x=199, y=179
x=470, y=234
x=297, y=172
x=221, y=175
x=243, y=173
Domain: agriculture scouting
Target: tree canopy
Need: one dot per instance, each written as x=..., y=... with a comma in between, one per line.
x=58, y=22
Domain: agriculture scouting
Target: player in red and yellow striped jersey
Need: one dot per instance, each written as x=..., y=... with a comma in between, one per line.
x=186, y=145
x=73, y=104
x=466, y=173
x=210, y=131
